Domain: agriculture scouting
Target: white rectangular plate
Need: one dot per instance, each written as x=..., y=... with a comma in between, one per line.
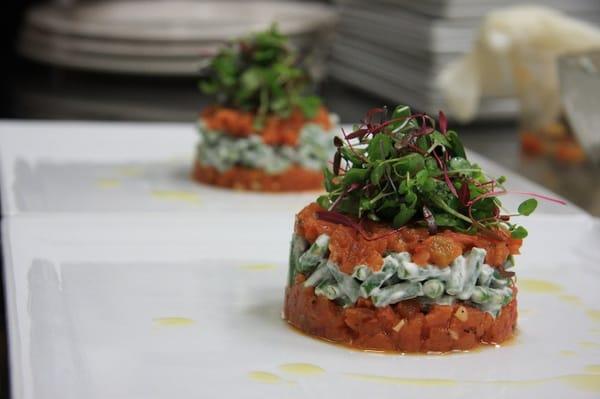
x=113, y=167
x=188, y=306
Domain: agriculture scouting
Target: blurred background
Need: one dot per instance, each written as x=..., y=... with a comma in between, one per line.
x=491, y=71
x=521, y=84
x=494, y=72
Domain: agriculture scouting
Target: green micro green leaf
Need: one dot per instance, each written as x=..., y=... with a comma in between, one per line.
x=380, y=147
x=422, y=177
x=324, y=201
x=355, y=175
x=443, y=219
x=328, y=180
x=397, y=169
x=404, y=122
x=455, y=144
x=378, y=172
x=438, y=139
x=411, y=199
x=410, y=163
x=403, y=216
x=309, y=106
x=423, y=143
x=519, y=232
x=352, y=155
x=459, y=163
x=527, y=207
x=262, y=74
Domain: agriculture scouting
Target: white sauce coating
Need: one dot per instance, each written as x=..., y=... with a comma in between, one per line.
x=222, y=151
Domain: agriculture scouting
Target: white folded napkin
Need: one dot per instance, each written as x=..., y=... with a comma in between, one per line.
x=515, y=54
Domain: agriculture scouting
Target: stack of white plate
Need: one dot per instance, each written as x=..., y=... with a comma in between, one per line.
x=396, y=48
x=174, y=37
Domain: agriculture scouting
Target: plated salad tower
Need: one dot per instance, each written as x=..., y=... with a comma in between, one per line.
x=409, y=250
x=263, y=132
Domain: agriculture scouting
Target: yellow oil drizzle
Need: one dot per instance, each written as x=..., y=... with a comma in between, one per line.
x=265, y=377
x=593, y=314
x=568, y=353
x=259, y=267
x=301, y=369
x=571, y=299
x=129, y=171
x=589, y=345
x=108, y=183
x=509, y=382
x=173, y=321
x=431, y=382
x=539, y=286
x=184, y=196
x=586, y=382
x=592, y=368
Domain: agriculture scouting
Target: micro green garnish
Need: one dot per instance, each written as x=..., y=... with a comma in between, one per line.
x=527, y=207
x=405, y=170
x=259, y=74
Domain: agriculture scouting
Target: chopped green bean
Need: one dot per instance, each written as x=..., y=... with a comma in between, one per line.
x=481, y=295
x=433, y=288
x=362, y=272
x=322, y=273
x=468, y=278
x=458, y=276
x=498, y=281
x=311, y=258
x=485, y=275
x=297, y=247
x=348, y=286
x=376, y=279
x=491, y=296
x=396, y=293
x=408, y=270
x=400, y=258
x=328, y=289
x=474, y=260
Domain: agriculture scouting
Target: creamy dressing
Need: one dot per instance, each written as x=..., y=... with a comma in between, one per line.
x=223, y=151
x=468, y=278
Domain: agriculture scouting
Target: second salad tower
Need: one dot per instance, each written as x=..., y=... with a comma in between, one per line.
x=263, y=133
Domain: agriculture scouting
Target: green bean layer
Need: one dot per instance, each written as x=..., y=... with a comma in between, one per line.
x=467, y=279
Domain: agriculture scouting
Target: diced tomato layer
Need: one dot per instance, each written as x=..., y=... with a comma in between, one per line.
x=349, y=248
x=275, y=130
x=294, y=178
x=403, y=327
